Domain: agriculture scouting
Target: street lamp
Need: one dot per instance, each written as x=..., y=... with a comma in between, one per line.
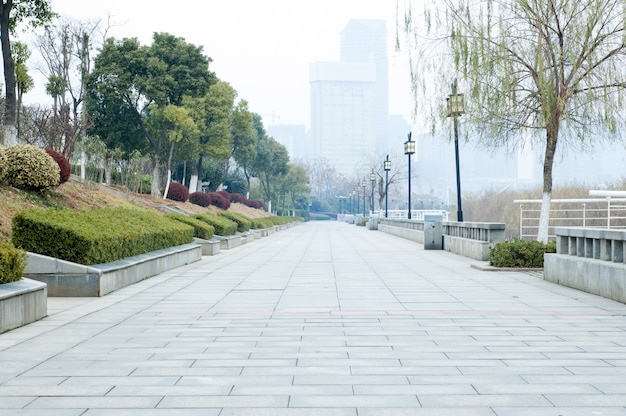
x=456, y=109
x=373, y=180
x=409, y=149
x=356, y=192
x=364, y=185
x=387, y=167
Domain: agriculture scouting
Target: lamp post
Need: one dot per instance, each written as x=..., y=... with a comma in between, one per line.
x=364, y=185
x=387, y=167
x=373, y=180
x=409, y=149
x=356, y=193
x=456, y=109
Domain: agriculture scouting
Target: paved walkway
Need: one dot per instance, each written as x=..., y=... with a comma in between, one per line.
x=323, y=319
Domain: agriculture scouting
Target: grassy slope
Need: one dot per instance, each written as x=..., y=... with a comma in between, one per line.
x=74, y=195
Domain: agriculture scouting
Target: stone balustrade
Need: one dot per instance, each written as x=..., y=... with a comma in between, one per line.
x=469, y=239
x=589, y=259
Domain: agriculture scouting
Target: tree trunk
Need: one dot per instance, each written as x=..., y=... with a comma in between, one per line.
x=10, y=132
x=552, y=132
x=154, y=190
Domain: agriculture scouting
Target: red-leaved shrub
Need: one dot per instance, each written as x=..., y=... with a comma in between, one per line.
x=178, y=192
x=200, y=198
x=255, y=203
x=238, y=198
x=64, y=164
x=225, y=194
x=218, y=200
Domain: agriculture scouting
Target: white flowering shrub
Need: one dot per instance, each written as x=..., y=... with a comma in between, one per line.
x=30, y=168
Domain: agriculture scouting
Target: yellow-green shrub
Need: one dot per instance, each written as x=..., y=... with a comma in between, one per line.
x=223, y=226
x=201, y=229
x=12, y=263
x=30, y=168
x=243, y=222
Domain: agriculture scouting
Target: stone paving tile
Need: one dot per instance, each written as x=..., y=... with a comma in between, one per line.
x=559, y=411
x=440, y=411
x=288, y=412
x=378, y=401
x=323, y=319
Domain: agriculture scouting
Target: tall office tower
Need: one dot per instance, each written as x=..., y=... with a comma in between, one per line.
x=349, y=104
x=365, y=41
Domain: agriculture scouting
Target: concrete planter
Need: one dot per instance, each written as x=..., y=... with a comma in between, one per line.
x=209, y=247
x=69, y=279
x=21, y=303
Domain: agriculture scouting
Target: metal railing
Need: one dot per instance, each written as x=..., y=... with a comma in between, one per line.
x=416, y=214
x=608, y=212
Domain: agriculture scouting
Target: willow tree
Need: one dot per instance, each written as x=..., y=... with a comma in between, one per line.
x=549, y=70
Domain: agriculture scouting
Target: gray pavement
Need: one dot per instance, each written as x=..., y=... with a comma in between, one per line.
x=323, y=319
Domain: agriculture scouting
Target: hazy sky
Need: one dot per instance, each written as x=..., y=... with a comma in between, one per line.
x=263, y=48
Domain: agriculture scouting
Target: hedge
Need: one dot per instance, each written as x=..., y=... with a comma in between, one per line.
x=243, y=223
x=201, y=229
x=96, y=236
x=269, y=222
x=223, y=226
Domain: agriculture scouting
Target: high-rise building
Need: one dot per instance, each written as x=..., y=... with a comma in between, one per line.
x=349, y=99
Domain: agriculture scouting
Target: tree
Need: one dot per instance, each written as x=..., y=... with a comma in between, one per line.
x=162, y=74
x=244, y=138
x=65, y=47
x=23, y=81
x=35, y=13
x=295, y=184
x=212, y=113
x=548, y=69
x=271, y=163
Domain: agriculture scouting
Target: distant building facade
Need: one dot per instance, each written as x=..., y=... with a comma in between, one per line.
x=349, y=99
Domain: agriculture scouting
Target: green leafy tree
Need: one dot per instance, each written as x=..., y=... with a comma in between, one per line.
x=295, y=184
x=161, y=74
x=244, y=138
x=548, y=69
x=212, y=113
x=35, y=13
x=177, y=123
x=271, y=164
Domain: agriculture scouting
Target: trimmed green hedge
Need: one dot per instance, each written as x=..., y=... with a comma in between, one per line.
x=520, y=253
x=269, y=222
x=201, y=229
x=96, y=236
x=12, y=263
x=223, y=226
x=243, y=223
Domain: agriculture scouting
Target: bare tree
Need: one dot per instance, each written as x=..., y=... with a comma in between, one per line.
x=66, y=47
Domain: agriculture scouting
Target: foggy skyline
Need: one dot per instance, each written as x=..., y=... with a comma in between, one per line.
x=262, y=48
